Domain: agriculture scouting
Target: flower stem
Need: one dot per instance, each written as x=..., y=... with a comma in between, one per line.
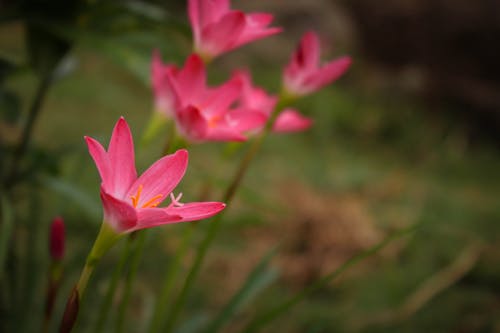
x=104, y=241
x=214, y=225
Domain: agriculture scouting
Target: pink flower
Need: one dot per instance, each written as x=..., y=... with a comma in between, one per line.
x=304, y=75
x=205, y=114
x=56, y=241
x=163, y=99
x=130, y=202
x=257, y=99
x=218, y=29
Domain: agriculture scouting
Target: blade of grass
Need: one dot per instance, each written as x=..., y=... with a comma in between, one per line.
x=260, y=321
x=257, y=280
x=6, y=228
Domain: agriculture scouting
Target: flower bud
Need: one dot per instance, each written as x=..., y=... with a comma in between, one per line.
x=56, y=244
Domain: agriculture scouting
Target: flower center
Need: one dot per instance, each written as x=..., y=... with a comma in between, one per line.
x=151, y=203
x=213, y=121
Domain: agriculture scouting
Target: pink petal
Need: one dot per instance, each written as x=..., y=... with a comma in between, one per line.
x=291, y=121
x=330, y=72
x=101, y=161
x=259, y=19
x=191, y=80
x=152, y=217
x=196, y=210
x=307, y=55
x=194, y=17
x=192, y=123
x=160, y=178
x=224, y=133
x=219, y=36
x=119, y=214
x=221, y=98
x=121, y=158
x=255, y=28
x=245, y=120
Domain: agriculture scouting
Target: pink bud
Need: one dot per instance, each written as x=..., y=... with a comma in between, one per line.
x=57, y=239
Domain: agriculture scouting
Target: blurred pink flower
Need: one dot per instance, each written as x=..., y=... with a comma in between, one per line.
x=163, y=99
x=130, y=202
x=257, y=99
x=218, y=29
x=57, y=237
x=203, y=113
x=304, y=75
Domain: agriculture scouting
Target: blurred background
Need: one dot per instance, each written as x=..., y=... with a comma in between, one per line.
x=409, y=136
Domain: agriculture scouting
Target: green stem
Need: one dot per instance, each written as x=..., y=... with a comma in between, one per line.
x=27, y=131
x=169, y=282
x=272, y=314
x=130, y=278
x=106, y=238
x=214, y=225
x=106, y=304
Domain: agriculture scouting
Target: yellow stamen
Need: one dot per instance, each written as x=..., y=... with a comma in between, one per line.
x=135, y=198
x=153, y=202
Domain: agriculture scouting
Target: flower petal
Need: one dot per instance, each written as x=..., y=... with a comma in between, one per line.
x=152, y=217
x=121, y=158
x=101, y=161
x=191, y=80
x=256, y=28
x=291, y=121
x=329, y=72
x=160, y=179
x=192, y=124
x=119, y=214
x=246, y=120
x=196, y=210
x=307, y=55
x=220, y=36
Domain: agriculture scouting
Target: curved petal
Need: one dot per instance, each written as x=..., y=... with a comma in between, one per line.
x=256, y=28
x=152, y=217
x=308, y=52
x=330, y=72
x=119, y=214
x=290, y=120
x=221, y=98
x=245, y=120
x=192, y=123
x=220, y=36
x=191, y=80
x=101, y=161
x=196, y=210
x=224, y=133
x=160, y=179
x=121, y=158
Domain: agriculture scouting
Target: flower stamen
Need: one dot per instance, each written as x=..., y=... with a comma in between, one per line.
x=175, y=201
x=151, y=203
x=135, y=198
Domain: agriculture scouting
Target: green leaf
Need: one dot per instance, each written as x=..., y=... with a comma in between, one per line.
x=260, y=278
x=91, y=208
x=6, y=227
